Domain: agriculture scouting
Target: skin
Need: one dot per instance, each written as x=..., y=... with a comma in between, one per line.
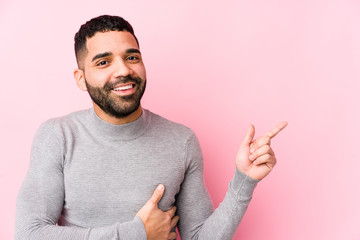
x=121, y=61
x=158, y=224
x=255, y=158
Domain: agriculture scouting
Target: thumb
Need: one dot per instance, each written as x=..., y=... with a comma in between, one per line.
x=158, y=193
x=249, y=136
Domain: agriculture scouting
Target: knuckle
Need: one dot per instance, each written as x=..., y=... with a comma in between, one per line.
x=172, y=235
x=168, y=218
x=267, y=148
x=167, y=228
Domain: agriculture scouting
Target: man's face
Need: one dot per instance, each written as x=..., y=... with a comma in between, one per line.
x=114, y=73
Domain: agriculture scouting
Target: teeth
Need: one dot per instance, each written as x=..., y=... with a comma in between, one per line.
x=123, y=88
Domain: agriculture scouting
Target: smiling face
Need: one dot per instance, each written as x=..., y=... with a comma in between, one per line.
x=114, y=76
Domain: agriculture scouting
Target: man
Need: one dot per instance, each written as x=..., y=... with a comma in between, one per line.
x=93, y=173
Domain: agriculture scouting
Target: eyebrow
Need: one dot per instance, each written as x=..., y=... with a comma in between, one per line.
x=133, y=50
x=106, y=54
x=101, y=55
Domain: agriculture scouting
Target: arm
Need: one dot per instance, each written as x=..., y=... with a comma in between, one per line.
x=41, y=197
x=197, y=220
x=254, y=161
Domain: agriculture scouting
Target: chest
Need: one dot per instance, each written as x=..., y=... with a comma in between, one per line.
x=114, y=180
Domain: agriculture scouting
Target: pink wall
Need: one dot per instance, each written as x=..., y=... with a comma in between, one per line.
x=214, y=66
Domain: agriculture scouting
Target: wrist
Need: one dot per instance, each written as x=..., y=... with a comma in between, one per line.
x=242, y=184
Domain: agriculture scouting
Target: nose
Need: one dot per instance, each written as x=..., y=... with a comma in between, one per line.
x=121, y=69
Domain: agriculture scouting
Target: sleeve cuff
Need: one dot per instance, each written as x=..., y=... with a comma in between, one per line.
x=242, y=185
x=134, y=230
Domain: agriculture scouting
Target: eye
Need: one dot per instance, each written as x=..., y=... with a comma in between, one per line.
x=133, y=58
x=102, y=63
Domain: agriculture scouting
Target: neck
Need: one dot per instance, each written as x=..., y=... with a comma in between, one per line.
x=115, y=120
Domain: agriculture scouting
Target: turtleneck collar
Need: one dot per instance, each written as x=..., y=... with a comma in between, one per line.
x=121, y=132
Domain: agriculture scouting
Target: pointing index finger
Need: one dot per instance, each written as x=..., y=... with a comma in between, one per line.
x=273, y=132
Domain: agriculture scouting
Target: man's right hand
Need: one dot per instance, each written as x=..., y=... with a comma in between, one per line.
x=158, y=224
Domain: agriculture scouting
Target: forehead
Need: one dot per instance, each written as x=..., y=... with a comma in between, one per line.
x=111, y=41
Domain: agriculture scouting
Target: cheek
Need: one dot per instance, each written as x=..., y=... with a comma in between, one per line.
x=97, y=78
x=140, y=71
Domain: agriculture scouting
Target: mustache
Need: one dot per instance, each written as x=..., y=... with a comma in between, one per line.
x=122, y=80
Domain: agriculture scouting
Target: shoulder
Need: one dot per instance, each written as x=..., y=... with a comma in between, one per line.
x=162, y=125
x=64, y=123
x=175, y=137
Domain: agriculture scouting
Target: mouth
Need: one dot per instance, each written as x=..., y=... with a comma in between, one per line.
x=125, y=89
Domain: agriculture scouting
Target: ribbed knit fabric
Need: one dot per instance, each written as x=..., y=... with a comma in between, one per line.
x=87, y=180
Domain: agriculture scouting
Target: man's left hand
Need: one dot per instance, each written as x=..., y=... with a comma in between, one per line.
x=255, y=158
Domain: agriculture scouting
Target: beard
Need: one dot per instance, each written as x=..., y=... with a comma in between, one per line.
x=114, y=105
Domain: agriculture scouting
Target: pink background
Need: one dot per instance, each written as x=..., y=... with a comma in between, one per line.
x=215, y=66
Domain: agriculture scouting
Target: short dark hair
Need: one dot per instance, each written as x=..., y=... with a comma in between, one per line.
x=103, y=23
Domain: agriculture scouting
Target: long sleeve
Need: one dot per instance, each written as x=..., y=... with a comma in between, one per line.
x=194, y=206
x=42, y=195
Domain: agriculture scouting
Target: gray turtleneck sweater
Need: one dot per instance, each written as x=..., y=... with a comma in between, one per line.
x=87, y=180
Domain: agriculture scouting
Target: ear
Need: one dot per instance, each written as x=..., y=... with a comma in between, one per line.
x=79, y=76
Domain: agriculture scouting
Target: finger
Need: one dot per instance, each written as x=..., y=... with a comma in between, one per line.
x=266, y=149
x=158, y=193
x=174, y=221
x=172, y=211
x=259, y=142
x=172, y=235
x=273, y=132
x=249, y=136
x=267, y=159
